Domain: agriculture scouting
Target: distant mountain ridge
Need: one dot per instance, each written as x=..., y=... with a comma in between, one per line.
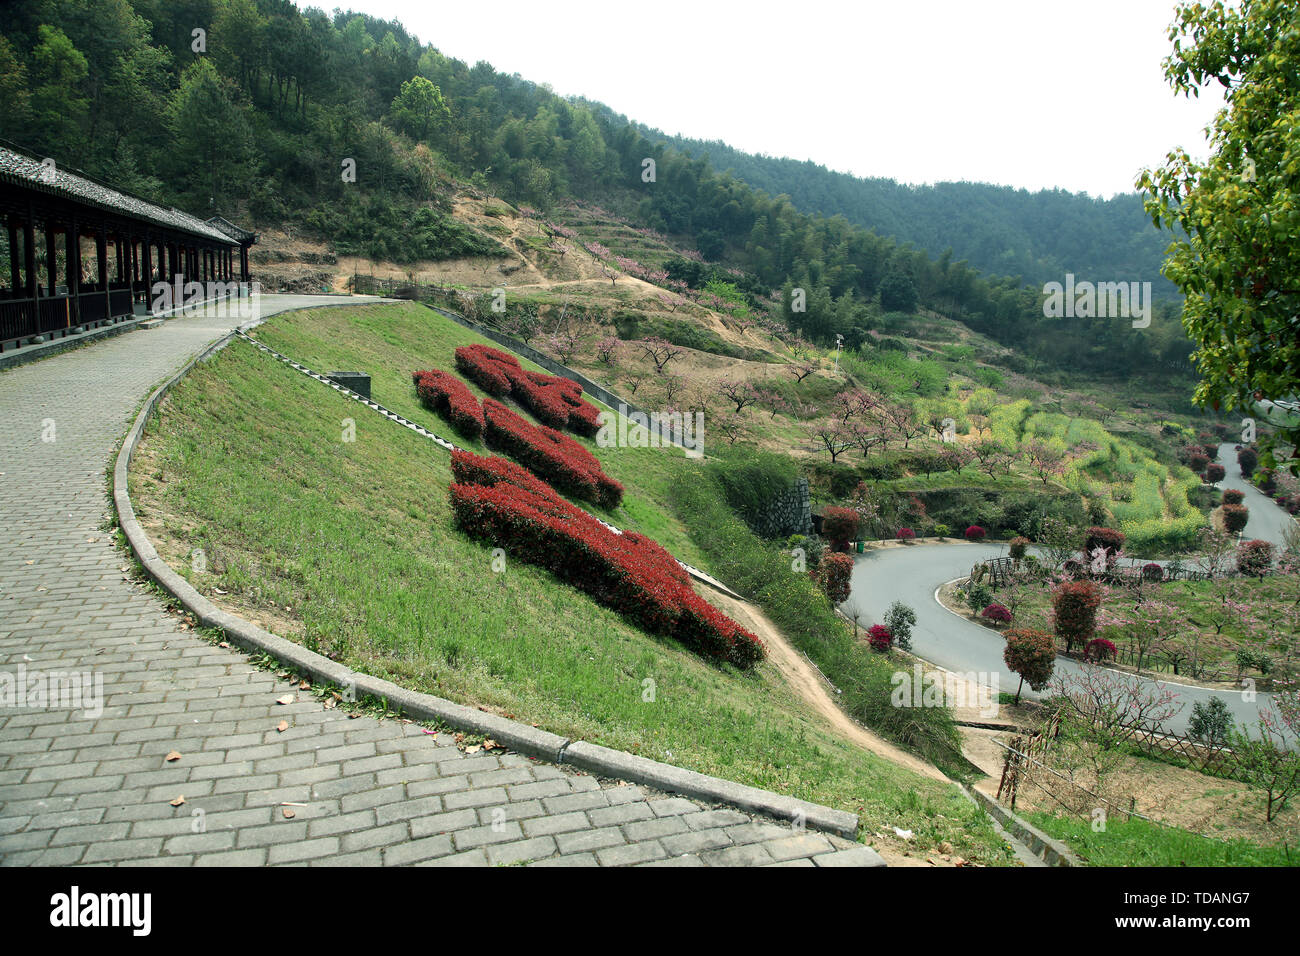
x=999, y=230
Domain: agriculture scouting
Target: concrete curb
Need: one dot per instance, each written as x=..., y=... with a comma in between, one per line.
x=625, y=766
x=1051, y=851
x=510, y=733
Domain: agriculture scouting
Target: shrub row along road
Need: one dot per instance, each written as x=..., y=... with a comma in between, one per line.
x=912, y=574
x=183, y=718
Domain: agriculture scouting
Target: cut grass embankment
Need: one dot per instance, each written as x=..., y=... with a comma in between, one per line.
x=349, y=548
x=1139, y=843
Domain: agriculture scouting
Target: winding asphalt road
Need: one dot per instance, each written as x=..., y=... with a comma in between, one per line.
x=912, y=574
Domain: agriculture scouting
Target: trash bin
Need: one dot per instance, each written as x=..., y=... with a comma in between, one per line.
x=860, y=549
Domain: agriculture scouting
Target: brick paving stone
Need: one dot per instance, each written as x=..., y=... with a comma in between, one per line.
x=94, y=788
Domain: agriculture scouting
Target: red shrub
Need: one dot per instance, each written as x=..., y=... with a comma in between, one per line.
x=975, y=533
x=1231, y=496
x=1152, y=572
x=447, y=395
x=501, y=502
x=556, y=401
x=1254, y=557
x=906, y=534
x=1108, y=538
x=836, y=572
x=551, y=455
x=1099, y=649
x=840, y=525
x=996, y=613
x=1235, y=518
x=880, y=637
x=1075, y=605
x=1213, y=473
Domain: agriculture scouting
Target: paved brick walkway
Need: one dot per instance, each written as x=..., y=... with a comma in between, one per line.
x=79, y=788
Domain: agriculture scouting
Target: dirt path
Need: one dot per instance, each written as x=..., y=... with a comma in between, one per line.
x=801, y=676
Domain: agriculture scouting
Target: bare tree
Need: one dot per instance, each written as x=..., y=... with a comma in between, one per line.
x=801, y=370
x=741, y=394
x=834, y=436
x=660, y=351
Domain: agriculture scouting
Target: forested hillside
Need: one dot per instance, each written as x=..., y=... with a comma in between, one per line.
x=350, y=128
x=1038, y=236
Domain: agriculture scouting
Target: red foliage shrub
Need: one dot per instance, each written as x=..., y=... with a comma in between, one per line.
x=1099, y=649
x=447, y=395
x=556, y=401
x=1213, y=473
x=1254, y=557
x=501, y=502
x=1153, y=572
x=1109, y=538
x=906, y=534
x=1031, y=654
x=1197, y=461
x=880, y=637
x=1075, y=605
x=1247, y=459
x=996, y=613
x=551, y=455
x=840, y=525
x=1235, y=518
x=975, y=533
x=836, y=572
x=1231, y=496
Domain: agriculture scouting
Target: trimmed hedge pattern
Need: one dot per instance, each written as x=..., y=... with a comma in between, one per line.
x=447, y=395
x=556, y=401
x=500, y=502
x=551, y=455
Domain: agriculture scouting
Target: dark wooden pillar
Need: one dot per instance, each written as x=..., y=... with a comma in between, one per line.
x=51, y=258
x=101, y=263
x=13, y=258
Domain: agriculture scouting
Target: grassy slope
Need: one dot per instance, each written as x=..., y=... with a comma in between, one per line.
x=351, y=546
x=1138, y=843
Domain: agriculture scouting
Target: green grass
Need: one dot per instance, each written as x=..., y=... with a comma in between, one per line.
x=351, y=548
x=1139, y=843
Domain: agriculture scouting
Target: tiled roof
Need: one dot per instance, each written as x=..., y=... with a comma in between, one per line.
x=238, y=233
x=26, y=171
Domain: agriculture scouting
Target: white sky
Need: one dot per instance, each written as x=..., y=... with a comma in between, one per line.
x=1015, y=92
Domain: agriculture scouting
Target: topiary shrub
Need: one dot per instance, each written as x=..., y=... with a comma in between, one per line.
x=942, y=530
x=1210, y=722
x=1254, y=557
x=1100, y=650
x=835, y=575
x=906, y=534
x=1213, y=474
x=996, y=614
x=1074, y=605
x=978, y=596
x=1247, y=459
x=1235, y=518
x=1031, y=654
x=1109, y=538
x=1231, y=496
x=900, y=619
x=1018, y=546
x=975, y=533
x=1197, y=461
x=879, y=638
x=840, y=526
x=1153, y=572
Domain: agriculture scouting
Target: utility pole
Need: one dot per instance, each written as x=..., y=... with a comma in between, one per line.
x=839, y=343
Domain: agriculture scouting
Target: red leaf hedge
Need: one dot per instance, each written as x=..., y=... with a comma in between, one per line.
x=835, y=576
x=556, y=401
x=447, y=395
x=502, y=503
x=551, y=455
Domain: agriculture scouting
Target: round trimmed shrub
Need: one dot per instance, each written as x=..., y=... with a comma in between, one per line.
x=880, y=638
x=1247, y=459
x=840, y=526
x=1152, y=572
x=1235, y=518
x=1213, y=473
x=975, y=533
x=1100, y=650
x=1018, y=546
x=1031, y=654
x=1254, y=557
x=1232, y=496
x=905, y=534
x=996, y=613
x=1075, y=606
